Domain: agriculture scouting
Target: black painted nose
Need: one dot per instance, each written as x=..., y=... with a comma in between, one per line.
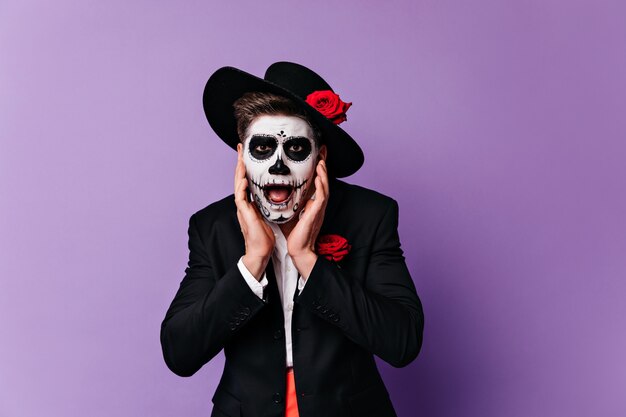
x=279, y=168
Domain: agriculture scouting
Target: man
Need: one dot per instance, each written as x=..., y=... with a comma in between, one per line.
x=298, y=276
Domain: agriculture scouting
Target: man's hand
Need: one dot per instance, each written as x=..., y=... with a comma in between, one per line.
x=301, y=240
x=257, y=234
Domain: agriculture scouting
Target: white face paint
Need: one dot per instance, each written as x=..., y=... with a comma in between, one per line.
x=280, y=157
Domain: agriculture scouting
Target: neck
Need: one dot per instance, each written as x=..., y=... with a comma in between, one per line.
x=286, y=228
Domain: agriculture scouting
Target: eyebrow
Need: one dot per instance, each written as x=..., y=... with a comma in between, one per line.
x=296, y=137
x=263, y=135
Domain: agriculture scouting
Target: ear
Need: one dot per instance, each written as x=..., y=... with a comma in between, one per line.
x=323, y=152
x=239, y=148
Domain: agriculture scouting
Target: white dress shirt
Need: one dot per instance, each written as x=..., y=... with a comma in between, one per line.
x=287, y=277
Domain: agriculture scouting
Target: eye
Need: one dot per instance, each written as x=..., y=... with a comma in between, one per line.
x=262, y=147
x=298, y=148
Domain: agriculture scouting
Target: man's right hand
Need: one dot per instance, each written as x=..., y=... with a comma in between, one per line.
x=257, y=234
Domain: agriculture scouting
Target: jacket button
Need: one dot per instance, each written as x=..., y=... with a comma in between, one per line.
x=298, y=330
x=246, y=311
x=335, y=319
x=278, y=334
x=232, y=326
x=277, y=398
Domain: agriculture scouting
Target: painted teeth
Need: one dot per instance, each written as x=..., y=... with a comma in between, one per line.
x=297, y=184
x=273, y=182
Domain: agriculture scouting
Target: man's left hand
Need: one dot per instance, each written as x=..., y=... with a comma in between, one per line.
x=301, y=240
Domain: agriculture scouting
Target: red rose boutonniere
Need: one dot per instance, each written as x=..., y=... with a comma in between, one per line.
x=332, y=247
x=329, y=104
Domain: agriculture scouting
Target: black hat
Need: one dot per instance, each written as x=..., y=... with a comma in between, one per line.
x=286, y=79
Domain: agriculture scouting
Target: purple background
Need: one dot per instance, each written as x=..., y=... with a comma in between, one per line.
x=497, y=125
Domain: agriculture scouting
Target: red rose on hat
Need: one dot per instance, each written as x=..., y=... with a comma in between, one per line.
x=332, y=247
x=329, y=104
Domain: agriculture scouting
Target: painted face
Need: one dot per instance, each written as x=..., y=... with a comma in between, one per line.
x=279, y=156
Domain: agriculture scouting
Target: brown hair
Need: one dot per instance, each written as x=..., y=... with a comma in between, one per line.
x=253, y=104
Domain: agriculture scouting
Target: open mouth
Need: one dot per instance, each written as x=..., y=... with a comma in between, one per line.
x=279, y=194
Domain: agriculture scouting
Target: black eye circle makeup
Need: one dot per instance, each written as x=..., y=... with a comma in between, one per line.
x=297, y=149
x=262, y=146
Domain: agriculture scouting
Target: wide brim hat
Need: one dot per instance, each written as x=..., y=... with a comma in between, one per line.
x=290, y=80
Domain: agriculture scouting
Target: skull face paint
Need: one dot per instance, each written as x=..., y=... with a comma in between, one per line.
x=280, y=156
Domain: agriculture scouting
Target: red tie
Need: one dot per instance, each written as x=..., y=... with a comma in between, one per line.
x=291, y=403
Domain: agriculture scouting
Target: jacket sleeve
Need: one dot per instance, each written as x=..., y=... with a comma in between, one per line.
x=206, y=312
x=381, y=313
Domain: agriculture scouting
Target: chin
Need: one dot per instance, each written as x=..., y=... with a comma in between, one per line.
x=283, y=214
x=280, y=219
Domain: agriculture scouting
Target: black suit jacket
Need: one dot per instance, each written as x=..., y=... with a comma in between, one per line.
x=363, y=305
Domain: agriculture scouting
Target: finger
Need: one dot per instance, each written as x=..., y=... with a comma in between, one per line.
x=240, y=170
x=312, y=206
x=242, y=223
x=320, y=193
x=237, y=175
x=240, y=194
x=240, y=188
x=315, y=188
x=324, y=176
x=319, y=172
x=248, y=210
x=322, y=163
x=323, y=199
x=318, y=209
